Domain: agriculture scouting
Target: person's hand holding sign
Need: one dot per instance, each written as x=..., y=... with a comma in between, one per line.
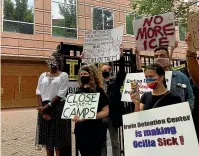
x=121, y=50
x=77, y=119
x=135, y=95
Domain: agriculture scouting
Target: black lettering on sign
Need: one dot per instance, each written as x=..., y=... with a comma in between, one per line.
x=82, y=105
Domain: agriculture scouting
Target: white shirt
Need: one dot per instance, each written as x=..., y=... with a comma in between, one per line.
x=57, y=87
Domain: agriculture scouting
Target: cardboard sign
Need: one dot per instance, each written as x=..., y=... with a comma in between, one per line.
x=141, y=80
x=163, y=131
x=155, y=31
x=83, y=105
x=102, y=45
x=193, y=28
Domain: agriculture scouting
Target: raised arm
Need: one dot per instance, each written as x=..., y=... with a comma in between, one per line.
x=192, y=63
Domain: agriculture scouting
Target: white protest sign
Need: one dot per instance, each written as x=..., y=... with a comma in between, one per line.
x=155, y=31
x=83, y=105
x=141, y=80
x=102, y=46
x=164, y=131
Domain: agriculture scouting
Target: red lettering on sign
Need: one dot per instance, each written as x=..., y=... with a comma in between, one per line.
x=168, y=31
x=158, y=19
x=163, y=42
x=150, y=32
x=157, y=30
x=151, y=46
x=147, y=21
x=142, y=33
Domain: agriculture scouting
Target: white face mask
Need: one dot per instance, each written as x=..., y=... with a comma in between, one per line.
x=164, y=62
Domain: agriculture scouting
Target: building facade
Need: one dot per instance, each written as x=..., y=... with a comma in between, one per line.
x=32, y=29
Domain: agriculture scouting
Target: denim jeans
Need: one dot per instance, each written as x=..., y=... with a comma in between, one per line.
x=114, y=138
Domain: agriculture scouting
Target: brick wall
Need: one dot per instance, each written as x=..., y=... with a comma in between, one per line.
x=42, y=43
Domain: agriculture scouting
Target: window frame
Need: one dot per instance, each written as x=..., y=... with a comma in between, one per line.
x=2, y=19
x=103, y=8
x=77, y=28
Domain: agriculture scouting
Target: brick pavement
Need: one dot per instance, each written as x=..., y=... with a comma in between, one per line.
x=18, y=133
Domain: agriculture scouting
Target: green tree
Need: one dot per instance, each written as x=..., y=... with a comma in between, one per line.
x=22, y=12
x=68, y=11
x=129, y=24
x=154, y=7
x=8, y=10
x=18, y=11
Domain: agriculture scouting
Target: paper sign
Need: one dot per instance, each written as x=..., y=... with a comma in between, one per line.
x=141, y=80
x=193, y=28
x=155, y=31
x=102, y=45
x=163, y=131
x=83, y=105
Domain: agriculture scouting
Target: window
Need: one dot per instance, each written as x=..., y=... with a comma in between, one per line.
x=102, y=19
x=129, y=23
x=18, y=16
x=64, y=22
x=182, y=32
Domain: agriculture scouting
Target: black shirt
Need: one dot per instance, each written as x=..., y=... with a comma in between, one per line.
x=150, y=100
x=93, y=125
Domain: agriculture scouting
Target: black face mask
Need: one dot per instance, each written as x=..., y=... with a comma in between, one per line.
x=85, y=79
x=105, y=74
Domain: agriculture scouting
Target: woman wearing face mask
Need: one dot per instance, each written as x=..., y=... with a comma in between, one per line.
x=52, y=132
x=89, y=133
x=160, y=96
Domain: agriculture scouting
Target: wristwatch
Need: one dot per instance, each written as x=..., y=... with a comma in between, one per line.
x=49, y=103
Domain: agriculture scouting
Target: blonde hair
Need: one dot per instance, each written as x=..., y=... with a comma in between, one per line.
x=95, y=76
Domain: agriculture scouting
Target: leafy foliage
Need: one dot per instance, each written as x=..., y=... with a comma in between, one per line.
x=68, y=12
x=18, y=12
x=154, y=7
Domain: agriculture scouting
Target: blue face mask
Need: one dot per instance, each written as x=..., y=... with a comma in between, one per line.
x=150, y=80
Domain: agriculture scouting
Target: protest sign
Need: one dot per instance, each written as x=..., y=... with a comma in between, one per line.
x=83, y=105
x=140, y=79
x=155, y=31
x=163, y=131
x=102, y=46
x=193, y=28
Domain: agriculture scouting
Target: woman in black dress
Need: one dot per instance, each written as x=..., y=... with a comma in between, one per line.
x=53, y=132
x=160, y=95
x=89, y=134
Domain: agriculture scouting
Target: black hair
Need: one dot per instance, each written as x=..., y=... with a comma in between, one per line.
x=59, y=59
x=158, y=69
x=161, y=48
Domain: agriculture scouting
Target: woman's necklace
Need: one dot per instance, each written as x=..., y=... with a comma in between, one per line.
x=50, y=78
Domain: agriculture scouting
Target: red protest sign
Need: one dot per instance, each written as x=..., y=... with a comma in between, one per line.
x=155, y=31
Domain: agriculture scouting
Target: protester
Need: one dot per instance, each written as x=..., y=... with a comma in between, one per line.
x=89, y=134
x=112, y=88
x=180, y=84
x=193, y=66
x=160, y=95
x=52, y=132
